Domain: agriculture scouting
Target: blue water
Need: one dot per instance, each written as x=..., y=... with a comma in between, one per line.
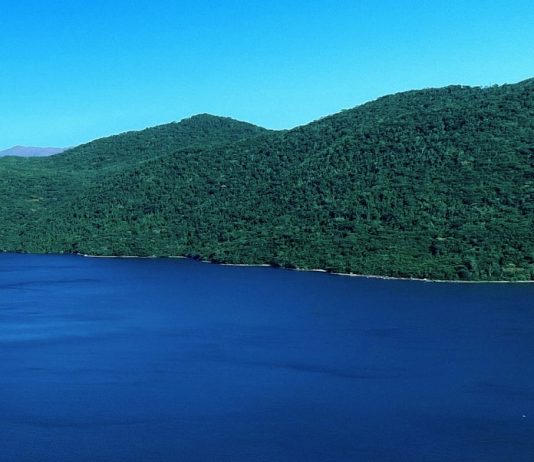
x=175, y=360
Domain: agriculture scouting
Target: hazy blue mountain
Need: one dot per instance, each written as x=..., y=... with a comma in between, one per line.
x=30, y=151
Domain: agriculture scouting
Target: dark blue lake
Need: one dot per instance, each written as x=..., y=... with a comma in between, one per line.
x=175, y=360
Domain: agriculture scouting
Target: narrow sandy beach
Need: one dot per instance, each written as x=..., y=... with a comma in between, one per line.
x=314, y=270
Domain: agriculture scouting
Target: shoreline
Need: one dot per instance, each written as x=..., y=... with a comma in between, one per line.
x=312, y=270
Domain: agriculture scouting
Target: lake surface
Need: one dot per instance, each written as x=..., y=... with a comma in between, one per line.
x=175, y=360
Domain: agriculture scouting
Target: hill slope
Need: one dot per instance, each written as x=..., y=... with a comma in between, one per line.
x=126, y=149
x=432, y=183
x=33, y=188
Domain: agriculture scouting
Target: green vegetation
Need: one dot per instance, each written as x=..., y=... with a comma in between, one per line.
x=430, y=184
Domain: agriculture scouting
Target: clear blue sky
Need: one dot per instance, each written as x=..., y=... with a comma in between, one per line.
x=72, y=71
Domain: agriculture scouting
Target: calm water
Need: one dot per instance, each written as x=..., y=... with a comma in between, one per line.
x=174, y=360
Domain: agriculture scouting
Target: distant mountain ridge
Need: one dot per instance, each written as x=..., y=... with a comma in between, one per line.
x=30, y=151
x=435, y=184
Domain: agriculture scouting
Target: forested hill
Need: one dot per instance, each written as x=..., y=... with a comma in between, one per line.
x=122, y=150
x=435, y=183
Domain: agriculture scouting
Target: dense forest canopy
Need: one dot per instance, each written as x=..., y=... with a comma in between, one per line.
x=435, y=183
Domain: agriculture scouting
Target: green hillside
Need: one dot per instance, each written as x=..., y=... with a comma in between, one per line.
x=434, y=183
x=121, y=151
x=33, y=188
